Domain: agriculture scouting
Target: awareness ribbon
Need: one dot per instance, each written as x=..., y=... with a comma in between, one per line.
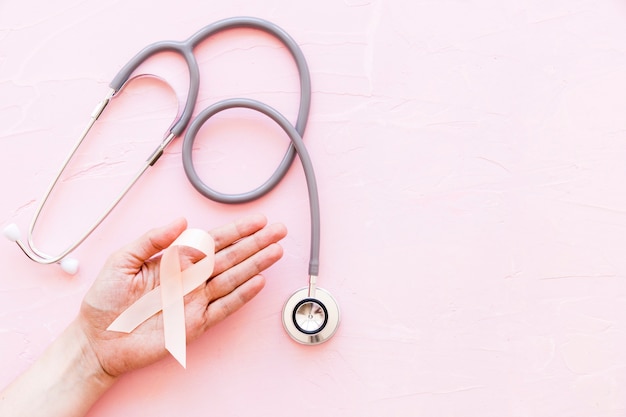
x=168, y=297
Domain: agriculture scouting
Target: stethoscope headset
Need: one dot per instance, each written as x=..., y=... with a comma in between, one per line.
x=311, y=315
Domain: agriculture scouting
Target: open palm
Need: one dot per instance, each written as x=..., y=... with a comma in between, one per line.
x=243, y=249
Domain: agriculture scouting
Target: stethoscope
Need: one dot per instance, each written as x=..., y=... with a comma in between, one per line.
x=311, y=314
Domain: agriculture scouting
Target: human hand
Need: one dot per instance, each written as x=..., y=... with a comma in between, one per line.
x=243, y=250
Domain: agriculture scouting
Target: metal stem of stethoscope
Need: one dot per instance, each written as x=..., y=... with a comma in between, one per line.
x=70, y=265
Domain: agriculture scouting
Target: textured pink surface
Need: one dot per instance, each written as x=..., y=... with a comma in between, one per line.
x=471, y=158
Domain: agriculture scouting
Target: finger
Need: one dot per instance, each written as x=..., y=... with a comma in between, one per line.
x=233, y=301
x=246, y=247
x=228, y=234
x=136, y=253
x=232, y=278
x=236, y=232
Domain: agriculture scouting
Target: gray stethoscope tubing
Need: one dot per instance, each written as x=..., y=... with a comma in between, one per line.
x=296, y=142
x=185, y=49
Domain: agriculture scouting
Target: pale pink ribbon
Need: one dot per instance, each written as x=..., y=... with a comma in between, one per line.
x=168, y=297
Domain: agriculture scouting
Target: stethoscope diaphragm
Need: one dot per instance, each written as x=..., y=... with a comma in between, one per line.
x=311, y=320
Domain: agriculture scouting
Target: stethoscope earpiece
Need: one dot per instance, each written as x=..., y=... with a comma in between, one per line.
x=311, y=319
x=12, y=232
x=69, y=265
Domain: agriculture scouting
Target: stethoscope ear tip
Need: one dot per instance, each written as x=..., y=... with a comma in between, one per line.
x=12, y=232
x=69, y=265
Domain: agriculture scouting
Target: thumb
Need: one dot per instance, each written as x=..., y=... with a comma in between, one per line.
x=152, y=242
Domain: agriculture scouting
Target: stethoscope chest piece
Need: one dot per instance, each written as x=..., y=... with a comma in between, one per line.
x=311, y=320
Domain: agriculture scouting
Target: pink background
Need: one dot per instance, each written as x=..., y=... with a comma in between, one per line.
x=471, y=157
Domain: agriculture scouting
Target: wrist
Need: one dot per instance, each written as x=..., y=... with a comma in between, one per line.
x=75, y=371
x=85, y=362
x=64, y=382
